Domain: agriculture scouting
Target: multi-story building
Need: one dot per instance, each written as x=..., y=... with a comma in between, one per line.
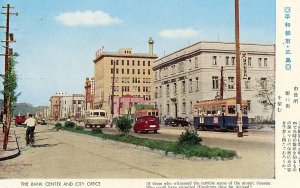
x=128, y=72
x=193, y=74
x=78, y=105
x=67, y=106
x=55, y=105
x=89, y=93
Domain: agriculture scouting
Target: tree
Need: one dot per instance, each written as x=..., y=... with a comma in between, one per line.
x=266, y=93
x=123, y=123
x=9, y=92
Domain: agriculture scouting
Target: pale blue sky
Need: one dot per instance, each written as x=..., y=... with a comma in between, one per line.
x=57, y=40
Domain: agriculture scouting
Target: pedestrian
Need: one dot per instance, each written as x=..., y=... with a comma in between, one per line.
x=31, y=123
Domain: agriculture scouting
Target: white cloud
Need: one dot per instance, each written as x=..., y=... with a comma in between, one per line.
x=86, y=18
x=179, y=33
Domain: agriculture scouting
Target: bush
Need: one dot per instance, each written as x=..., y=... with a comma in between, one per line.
x=69, y=124
x=79, y=128
x=189, y=137
x=124, y=124
x=96, y=131
x=58, y=126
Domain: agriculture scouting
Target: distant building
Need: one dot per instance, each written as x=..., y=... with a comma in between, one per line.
x=133, y=75
x=67, y=106
x=89, y=93
x=123, y=105
x=193, y=74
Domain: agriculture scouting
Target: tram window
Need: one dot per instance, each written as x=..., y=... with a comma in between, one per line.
x=208, y=112
x=149, y=113
x=231, y=109
x=156, y=113
x=213, y=112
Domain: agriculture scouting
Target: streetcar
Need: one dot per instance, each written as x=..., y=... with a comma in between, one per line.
x=219, y=114
x=146, y=112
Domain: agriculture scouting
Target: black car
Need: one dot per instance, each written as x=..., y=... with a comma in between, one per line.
x=169, y=122
x=181, y=122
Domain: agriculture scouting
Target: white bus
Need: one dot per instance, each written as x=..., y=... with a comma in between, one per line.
x=95, y=118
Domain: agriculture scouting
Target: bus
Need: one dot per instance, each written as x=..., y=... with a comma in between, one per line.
x=219, y=114
x=96, y=118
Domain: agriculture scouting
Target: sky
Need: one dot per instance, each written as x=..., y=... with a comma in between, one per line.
x=57, y=39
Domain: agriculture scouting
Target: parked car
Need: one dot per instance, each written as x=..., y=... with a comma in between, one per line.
x=19, y=120
x=181, y=122
x=146, y=124
x=169, y=122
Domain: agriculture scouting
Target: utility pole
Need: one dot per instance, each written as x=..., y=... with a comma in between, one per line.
x=222, y=84
x=238, y=72
x=113, y=89
x=9, y=37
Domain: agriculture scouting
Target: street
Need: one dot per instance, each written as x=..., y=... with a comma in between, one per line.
x=62, y=154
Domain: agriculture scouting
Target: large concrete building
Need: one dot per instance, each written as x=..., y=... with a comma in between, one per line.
x=67, y=106
x=193, y=74
x=130, y=72
x=89, y=93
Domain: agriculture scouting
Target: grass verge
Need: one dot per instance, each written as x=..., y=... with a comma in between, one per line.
x=167, y=146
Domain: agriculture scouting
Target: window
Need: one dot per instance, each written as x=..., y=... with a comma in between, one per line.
x=160, y=91
x=173, y=69
x=263, y=83
x=127, y=71
x=196, y=62
x=259, y=62
x=132, y=62
x=249, y=62
x=232, y=61
x=227, y=60
x=190, y=85
x=168, y=108
x=190, y=64
x=265, y=62
x=180, y=67
x=184, y=107
x=248, y=83
x=149, y=72
x=214, y=60
x=148, y=63
x=138, y=63
x=138, y=71
x=175, y=88
x=132, y=71
x=117, y=62
x=231, y=109
x=127, y=62
x=168, y=90
x=155, y=75
x=197, y=82
x=111, y=71
x=143, y=63
x=112, y=62
x=117, y=71
x=230, y=82
x=183, y=86
x=122, y=71
x=215, y=82
x=144, y=71
x=122, y=62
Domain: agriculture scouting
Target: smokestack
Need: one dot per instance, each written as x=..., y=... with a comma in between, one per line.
x=150, y=42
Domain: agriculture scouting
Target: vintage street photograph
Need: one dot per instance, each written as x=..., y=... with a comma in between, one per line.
x=137, y=89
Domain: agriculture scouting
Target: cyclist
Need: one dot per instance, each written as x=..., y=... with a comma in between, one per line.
x=31, y=123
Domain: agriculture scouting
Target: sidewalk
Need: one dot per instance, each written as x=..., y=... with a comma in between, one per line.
x=12, y=150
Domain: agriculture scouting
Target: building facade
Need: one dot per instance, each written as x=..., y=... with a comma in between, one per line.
x=55, y=105
x=89, y=93
x=193, y=74
x=127, y=72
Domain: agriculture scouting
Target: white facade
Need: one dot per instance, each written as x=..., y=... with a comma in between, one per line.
x=193, y=74
x=66, y=106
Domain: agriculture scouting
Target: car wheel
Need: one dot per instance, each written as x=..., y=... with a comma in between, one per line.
x=155, y=131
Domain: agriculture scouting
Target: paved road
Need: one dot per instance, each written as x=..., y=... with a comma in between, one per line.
x=68, y=155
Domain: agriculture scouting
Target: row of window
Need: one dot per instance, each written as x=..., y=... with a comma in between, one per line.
x=127, y=80
x=133, y=71
x=133, y=88
x=133, y=63
x=215, y=85
x=229, y=61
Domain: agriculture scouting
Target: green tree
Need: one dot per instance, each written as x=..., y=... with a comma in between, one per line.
x=9, y=92
x=123, y=124
x=266, y=94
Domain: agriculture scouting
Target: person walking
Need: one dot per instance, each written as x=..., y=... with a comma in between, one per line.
x=31, y=123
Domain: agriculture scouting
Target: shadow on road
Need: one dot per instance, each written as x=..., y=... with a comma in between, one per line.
x=43, y=145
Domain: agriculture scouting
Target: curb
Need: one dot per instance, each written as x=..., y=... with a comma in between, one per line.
x=11, y=156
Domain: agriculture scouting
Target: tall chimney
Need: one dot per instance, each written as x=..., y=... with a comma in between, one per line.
x=150, y=42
